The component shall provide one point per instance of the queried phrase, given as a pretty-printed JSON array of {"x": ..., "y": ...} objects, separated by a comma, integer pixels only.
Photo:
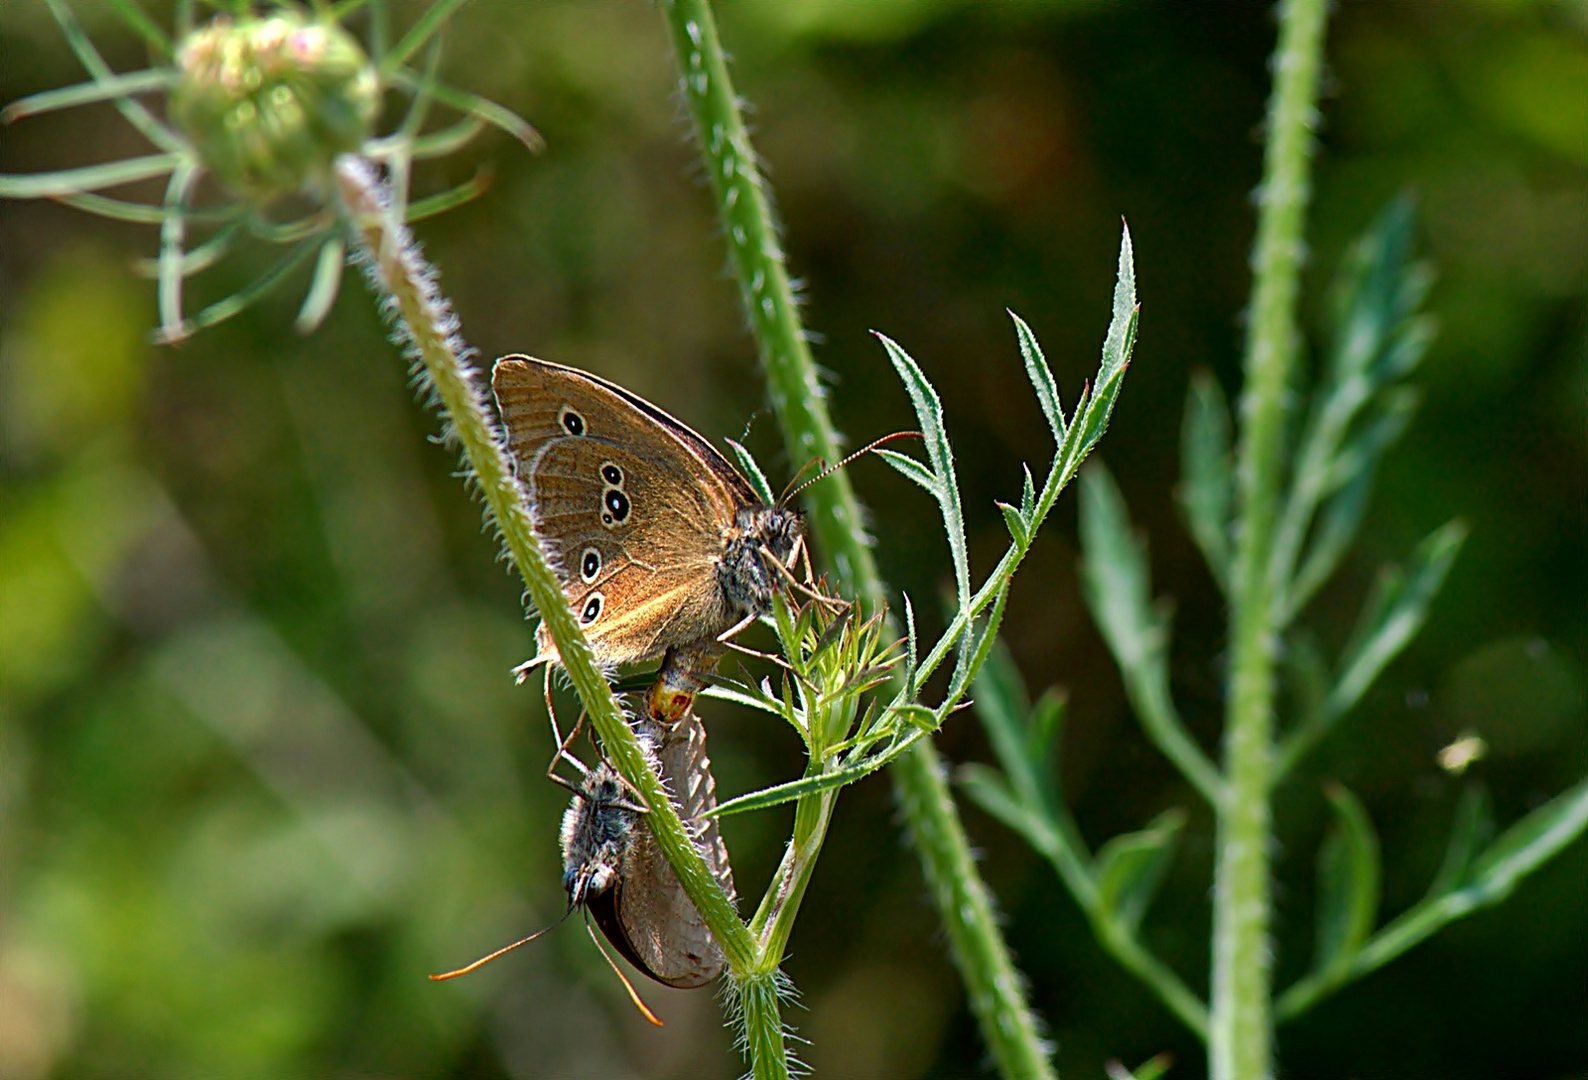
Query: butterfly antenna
[
  {"x": 829, "y": 470},
  {"x": 634, "y": 995},
  {"x": 482, "y": 961}
]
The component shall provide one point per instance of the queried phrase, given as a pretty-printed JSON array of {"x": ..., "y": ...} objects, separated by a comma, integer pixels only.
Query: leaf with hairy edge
[
  {"x": 1348, "y": 881},
  {"x": 752, "y": 472},
  {"x": 1041, "y": 377},
  {"x": 1018, "y": 529},
  {"x": 1128, "y": 868},
  {"x": 906, "y": 465},
  {"x": 1028, "y": 494},
  {"x": 929, "y": 414},
  {"x": 1207, "y": 483}
]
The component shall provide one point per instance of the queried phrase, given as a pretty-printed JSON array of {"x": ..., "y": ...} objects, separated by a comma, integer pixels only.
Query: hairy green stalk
[
  {"x": 427, "y": 328},
  {"x": 800, "y": 403},
  {"x": 1241, "y": 1028}
]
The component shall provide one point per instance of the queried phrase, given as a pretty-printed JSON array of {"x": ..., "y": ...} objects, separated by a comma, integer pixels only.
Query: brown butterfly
[
  {"x": 660, "y": 544},
  {"x": 613, "y": 867},
  {"x": 614, "y": 871}
]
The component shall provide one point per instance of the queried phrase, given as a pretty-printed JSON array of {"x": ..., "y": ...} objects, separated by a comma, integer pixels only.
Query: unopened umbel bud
[{"x": 270, "y": 102}]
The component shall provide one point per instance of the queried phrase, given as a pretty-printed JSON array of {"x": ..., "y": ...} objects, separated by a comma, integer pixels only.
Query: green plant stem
[
  {"x": 427, "y": 327},
  {"x": 834, "y": 512},
  {"x": 1241, "y": 1028}
]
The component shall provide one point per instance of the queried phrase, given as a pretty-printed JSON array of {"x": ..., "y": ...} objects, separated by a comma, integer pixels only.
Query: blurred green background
[{"x": 262, "y": 765}]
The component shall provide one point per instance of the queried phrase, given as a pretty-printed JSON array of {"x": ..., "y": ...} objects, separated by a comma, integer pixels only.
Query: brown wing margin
[{"x": 709, "y": 454}]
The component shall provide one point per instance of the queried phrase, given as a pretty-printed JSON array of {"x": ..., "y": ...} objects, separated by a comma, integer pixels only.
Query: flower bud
[{"x": 269, "y": 102}]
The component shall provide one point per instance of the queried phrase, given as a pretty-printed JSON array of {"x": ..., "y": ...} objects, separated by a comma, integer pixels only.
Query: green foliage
[{"x": 1358, "y": 410}]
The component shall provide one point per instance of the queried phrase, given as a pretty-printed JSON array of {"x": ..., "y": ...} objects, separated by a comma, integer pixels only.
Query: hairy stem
[
  {"x": 427, "y": 328},
  {"x": 1241, "y": 1029},
  {"x": 800, "y": 403}
]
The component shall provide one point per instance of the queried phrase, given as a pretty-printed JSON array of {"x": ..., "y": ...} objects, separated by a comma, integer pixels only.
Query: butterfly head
[
  {"x": 759, "y": 534},
  {"x": 596, "y": 829}
]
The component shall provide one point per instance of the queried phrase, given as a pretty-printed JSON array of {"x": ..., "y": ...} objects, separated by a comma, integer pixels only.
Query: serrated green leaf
[
  {"x": 910, "y": 658},
  {"x": 1018, "y": 529},
  {"x": 1028, "y": 494},
  {"x": 1128, "y": 868},
  {"x": 1348, "y": 882},
  {"x": 1470, "y": 830},
  {"x": 1207, "y": 482},
  {"x": 1041, "y": 377},
  {"x": 752, "y": 472}
]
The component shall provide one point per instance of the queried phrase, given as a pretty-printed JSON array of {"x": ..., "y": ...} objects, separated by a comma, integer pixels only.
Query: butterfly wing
[
  {"x": 648, "y": 916},
  {"x": 631, "y": 503}
]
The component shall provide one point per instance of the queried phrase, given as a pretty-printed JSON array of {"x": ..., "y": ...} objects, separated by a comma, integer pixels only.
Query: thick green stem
[
  {"x": 426, "y": 326},
  {"x": 834, "y": 513},
  {"x": 1241, "y": 1030}
]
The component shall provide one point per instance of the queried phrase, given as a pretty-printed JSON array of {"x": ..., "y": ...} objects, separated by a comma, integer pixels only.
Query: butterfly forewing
[{"x": 631, "y": 503}]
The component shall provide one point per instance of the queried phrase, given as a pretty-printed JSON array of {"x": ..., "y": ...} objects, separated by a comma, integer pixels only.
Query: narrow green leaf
[
  {"x": 1114, "y": 575},
  {"x": 323, "y": 289},
  {"x": 474, "y": 105},
  {"x": 1306, "y": 674},
  {"x": 64, "y": 97},
  {"x": 1528, "y": 844},
  {"x": 910, "y": 658},
  {"x": 1016, "y": 524},
  {"x": 1041, "y": 377},
  {"x": 426, "y": 27},
  {"x": 1389, "y": 415},
  {"x": 1207, "y": 482},
  {"x": 1523, "y": 848},
  {"x": 1122, "y": 327},
  {"x": 1348, "y": 882},
  {"x": 929, "y": 414},
  {"x": 442, "y": 201},
  {"x": 1028, "y": 494},
  {"x": 908, "y": 466},
  {"x": 1129, "y": 868},
  {"x": 1001, "y": 704},
  {"x": 767, "y": 703},
  {"x": 1114, "y": 583},
  {"x": 143, "y": 26},
  {"x": 752, "y": 472},
  {"x": 1043, "y": 729},
  {"x": 989, "y": 790},
  {"x": 1393, "y": 617},
  {"x": 1471, "y": 829},
  {"x": 53, "y": 185},
  {"x": 1338, "y": 522}
]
